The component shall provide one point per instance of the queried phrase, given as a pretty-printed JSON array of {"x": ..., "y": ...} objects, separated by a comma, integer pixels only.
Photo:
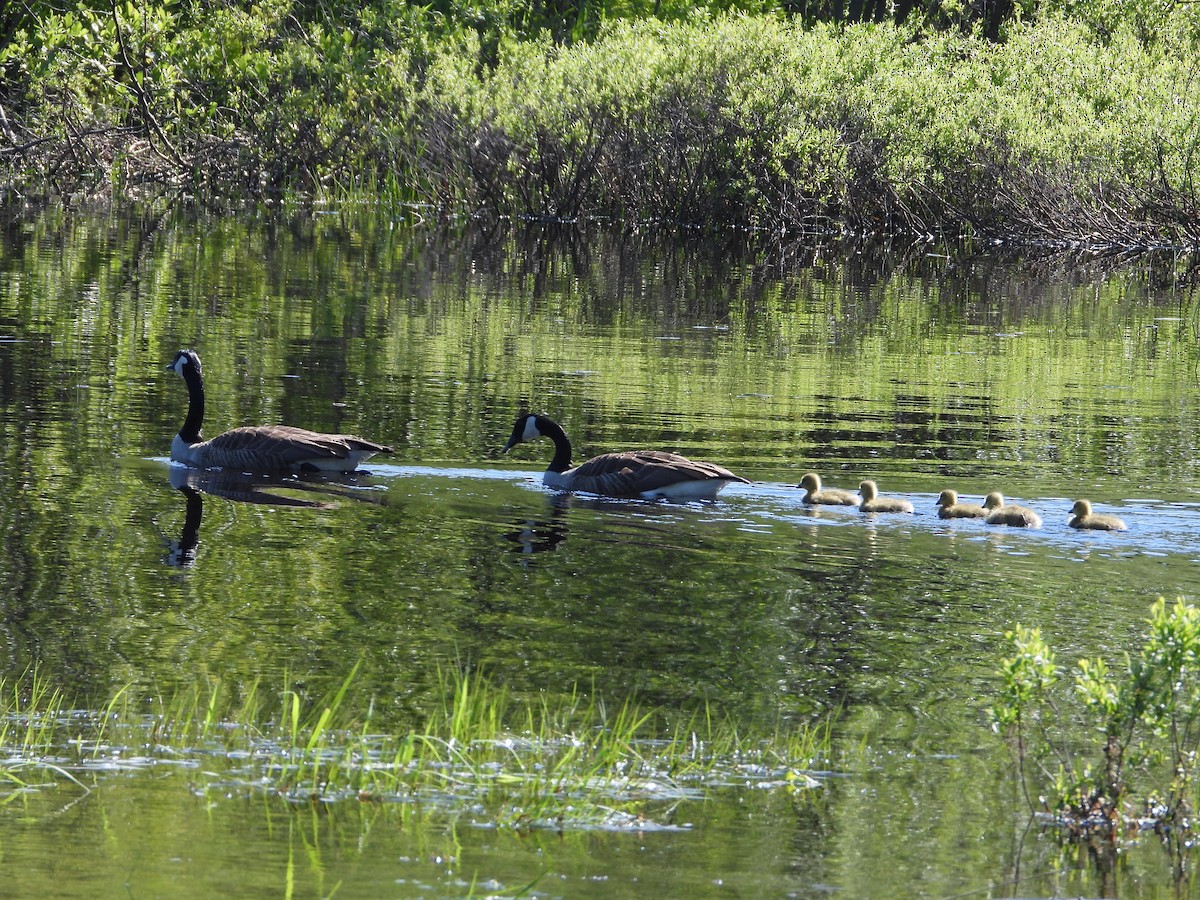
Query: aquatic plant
[
  {"x": 1146, "y": 771},
  {"x": 561, "y": 762}
]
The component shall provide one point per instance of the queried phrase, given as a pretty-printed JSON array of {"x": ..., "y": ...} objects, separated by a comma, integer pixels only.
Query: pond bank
[{"x": 1058, "y": 133}]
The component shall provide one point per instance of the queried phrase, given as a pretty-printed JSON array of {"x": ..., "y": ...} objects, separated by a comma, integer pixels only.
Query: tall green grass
[{"x": 546, "y": 761}]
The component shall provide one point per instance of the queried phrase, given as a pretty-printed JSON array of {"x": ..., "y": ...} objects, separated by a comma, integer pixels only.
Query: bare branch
[{"x": 143, "y": 100}]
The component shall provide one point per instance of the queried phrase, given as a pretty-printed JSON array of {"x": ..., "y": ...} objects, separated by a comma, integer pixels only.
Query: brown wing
[
  {"x": 357, "y": 443},
  {"x": 282, "y": 445},
  {"x": 633, "y": 473}
]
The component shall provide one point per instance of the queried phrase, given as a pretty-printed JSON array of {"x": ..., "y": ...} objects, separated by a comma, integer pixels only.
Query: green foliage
[
  {"x": 1068, "y": 129},
  {"x": 764, "y": 124},
  {"x": 1150, "y": 22},
  {"x": 1148, "y": 713},
  {"x": 544, "y": 762},
  {"x": 1027, "y": 676}
]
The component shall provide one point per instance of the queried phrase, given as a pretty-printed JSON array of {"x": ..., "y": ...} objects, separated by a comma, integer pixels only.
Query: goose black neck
[
  {"x": 190, "y": 536},
  {"x": 190, "y": 431},
  {"x": 562, "y": 444}
]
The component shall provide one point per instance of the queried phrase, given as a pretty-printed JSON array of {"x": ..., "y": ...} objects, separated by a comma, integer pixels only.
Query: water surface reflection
[
  {"x": 921, "y": 369},
  {"x": 313, "y": 491}
]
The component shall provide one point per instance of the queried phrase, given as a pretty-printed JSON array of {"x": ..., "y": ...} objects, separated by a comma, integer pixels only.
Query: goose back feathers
[
  {"x": 645, "y": 474},
  {"x": 262, "y": 448}
]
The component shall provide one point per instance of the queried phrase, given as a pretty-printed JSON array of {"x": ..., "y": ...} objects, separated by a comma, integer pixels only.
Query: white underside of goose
[{"x": 680, "y": 490}]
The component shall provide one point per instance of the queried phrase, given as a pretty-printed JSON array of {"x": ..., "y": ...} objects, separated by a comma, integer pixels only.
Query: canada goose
[
  {"x": 949, "y": 508},
  {"x": 263, "y": 448},
  {"x": 873, "y": 503},
  {"x": 1001, "y": 513},
  {"x": 814, "y": 493},
  {"x": 648, "y": 474},
  {"x": 1083, "y": 517}
]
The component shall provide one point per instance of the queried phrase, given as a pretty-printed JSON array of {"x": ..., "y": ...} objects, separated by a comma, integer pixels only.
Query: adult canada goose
[
  {"x": 873, "y": 503},
  {"x": 262, "y": 448},
  {"x": 1001, "y": 513},
  {"x": 648, "y": 474},
  {"x": 1083, "y": 517},
  {"x": 949, "y": 508},
  {"x": 814, "y": 493}
]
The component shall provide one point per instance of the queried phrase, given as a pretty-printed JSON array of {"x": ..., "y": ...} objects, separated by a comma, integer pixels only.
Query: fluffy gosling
[
  {"x": 1083, "y": 517},
  {"x": 949, "y": 508},
  {"x": 814, "y": 493},
  {"x": 1001, "y": 513},
  {"x": 873, "y": 503}
]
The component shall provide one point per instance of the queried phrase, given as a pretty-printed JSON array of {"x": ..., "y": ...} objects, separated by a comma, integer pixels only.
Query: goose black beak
[{"x": 515, "y": 438}]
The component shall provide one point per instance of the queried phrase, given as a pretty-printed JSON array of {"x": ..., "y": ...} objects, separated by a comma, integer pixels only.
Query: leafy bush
[
  {"x": 1148, "y": 713},
  {"x": 748, "y": 121},
  {"x": 762, "y": 123}
]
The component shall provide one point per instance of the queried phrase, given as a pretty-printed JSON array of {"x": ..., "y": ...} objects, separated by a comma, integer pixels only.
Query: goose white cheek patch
[{"x": 531, "y": 430}]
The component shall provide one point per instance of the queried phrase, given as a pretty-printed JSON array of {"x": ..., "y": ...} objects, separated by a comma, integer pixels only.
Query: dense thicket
[{"x": 1063, "y": 120}]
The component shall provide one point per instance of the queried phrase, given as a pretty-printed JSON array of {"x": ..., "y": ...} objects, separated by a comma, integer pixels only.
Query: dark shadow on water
[{"x": 283, "y": 491}]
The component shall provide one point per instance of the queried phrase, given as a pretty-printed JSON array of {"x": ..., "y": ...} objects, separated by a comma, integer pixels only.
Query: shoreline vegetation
[
  {"x": 1063, "y": 122},
  {"x": 1142, "y": 774},
  {"x": 562, "y": 762}
]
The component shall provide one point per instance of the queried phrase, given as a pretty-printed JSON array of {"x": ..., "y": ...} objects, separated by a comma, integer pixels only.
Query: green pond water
[{"x": 1047, "y": 376}]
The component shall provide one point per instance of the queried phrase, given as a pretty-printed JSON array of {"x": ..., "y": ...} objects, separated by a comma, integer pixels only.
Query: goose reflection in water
[
  {"x": 326, "y": 491},
  {"x": 181, "y": 554},
  {"x": 636, "y": 523},
  {"x": 534, "y": 536},
  {"x": 539, "y": 535}
]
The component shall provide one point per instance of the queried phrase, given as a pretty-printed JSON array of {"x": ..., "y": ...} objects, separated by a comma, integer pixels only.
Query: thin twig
[{"x": 143, "y": 100}]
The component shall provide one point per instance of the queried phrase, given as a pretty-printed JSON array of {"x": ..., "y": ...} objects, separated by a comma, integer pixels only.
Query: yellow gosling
[
  {"x": 873, "y": 503},
  {"x": 814, "y": 493},
  {"x": 949, "y": 508},
  {"x": 1083, "y": 517},
  {"x": 1001, "y": 513}
]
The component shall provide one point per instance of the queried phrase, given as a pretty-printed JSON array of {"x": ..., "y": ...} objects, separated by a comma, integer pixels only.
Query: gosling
[
  {"x": 1001, "y": 513},
  {"x": 1083, "y": 517},
  {"x": 949, "y": 508},
  {"x": 873, "y": 503},
  {"x": 814, "y": 493}
]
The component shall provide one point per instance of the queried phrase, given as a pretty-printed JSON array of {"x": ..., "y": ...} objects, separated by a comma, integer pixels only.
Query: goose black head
[
  {"x": 524, "y": 429},
  {"x": 182, "y": 360}
]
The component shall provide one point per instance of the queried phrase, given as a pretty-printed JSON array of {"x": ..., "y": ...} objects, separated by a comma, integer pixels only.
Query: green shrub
[
  {"x": 1147, "y": 712},
  {"x": 747, "y": 121},
  {"x": 761, "y": 123}
]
